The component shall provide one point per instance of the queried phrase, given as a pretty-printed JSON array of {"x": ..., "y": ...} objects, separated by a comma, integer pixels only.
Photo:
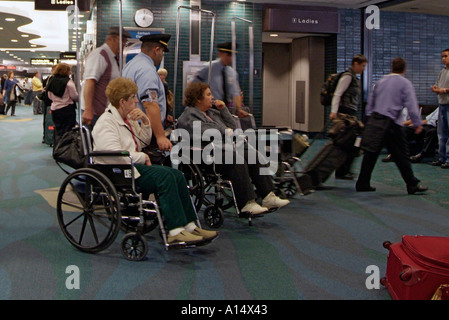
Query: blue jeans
[{"x": 443, "y": 133}]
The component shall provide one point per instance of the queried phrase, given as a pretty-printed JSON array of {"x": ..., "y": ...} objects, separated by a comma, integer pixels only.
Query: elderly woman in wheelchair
[
  {"x": 198, "y": 100},
  {"x": 123, "y": 126}
]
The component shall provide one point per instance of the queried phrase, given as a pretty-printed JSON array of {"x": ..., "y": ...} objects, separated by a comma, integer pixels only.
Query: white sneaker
[
  {"x": 273, "y": 201},
  {"x": 253, "y": 207}
]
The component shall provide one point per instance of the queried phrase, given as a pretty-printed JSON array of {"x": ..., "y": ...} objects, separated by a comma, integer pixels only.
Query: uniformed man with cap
[
  {"x": 223, "y": 78},
  {"x": 142, "y": 70},
  {"x": 101, "y": 67}
]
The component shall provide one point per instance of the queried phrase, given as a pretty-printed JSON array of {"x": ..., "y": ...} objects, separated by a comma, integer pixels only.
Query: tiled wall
[
  {"x": 418, "y": 38},
  {"x": 165, "y": 16}
]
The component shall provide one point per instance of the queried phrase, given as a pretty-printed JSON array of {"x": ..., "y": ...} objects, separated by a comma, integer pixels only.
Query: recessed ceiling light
[
  {"x": 274, "y": 35},
  {"x": 25, "y": 35},
  {"x": 10, "y": 19},
  {"x": 33, "y": 45},
  {"x": 14, "y": 40},
  {"x": 1, "y": 28}
]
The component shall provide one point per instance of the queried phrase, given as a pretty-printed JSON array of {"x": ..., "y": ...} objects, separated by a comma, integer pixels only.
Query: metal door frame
[
  {"x": 212, "y": 33},
  {"x": 251, "y": 54}
]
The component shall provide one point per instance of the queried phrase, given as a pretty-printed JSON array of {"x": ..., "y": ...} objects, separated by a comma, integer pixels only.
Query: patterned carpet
[{"x": 317, "y": 248}]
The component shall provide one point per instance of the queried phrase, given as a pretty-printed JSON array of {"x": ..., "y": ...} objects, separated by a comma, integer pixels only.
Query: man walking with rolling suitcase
[{"x": 346, "y": 101}]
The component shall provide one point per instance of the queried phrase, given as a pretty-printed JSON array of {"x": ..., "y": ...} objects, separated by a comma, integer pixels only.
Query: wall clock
[{"x": 143, "y": 18}]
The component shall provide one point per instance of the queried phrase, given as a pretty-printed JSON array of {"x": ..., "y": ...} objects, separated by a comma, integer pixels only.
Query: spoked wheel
[
  {"x": 195, "y": 183},
  {"x": 88, "y": 210},
  {"x": 134, "y": 246},
  {"x": 131, "y": 218},
  {"x": 288, "y": 188},
  {"x": 226, "y": 195},
  {"x": 213, "y": 216}
]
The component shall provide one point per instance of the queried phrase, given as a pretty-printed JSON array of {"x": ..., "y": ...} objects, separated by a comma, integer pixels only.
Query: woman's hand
[
  {"x": 220, "y": 104},
  {"x": 137, "y": 114},
  {"x": 147, "y": 160}
]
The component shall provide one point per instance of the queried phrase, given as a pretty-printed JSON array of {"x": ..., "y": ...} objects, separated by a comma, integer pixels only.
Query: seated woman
[
  {"x": 118, "y": 129},
  {"x": 198, "y": 100}
]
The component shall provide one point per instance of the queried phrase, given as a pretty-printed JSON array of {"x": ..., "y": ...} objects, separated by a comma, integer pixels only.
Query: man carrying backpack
[{"x": 345, "y": 100}]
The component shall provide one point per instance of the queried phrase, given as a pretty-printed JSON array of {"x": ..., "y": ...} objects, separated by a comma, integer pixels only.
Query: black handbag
[
  {"x": 156, "y": 156},
  {"x": 69, "y": 149}
]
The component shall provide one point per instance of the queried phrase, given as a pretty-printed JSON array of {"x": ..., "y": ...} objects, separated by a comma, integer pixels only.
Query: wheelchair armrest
[{"x": 109, "y": 154}]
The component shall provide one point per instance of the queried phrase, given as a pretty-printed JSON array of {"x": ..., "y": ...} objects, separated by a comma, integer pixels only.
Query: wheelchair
[
  {"x": 97, "y": 201},
  {"x": 289, "y": 153},
  {"x": 208, "y": 188}
]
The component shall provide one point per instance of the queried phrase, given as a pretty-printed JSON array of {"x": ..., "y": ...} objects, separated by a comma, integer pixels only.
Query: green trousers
[{"x": 170, "y": 188}]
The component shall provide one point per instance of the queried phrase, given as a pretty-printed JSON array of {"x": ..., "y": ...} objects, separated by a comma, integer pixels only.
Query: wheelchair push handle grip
[{"x": 109, "y": 154}]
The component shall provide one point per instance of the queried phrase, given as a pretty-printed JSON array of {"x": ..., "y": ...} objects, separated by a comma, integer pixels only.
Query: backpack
[{"x": 328, "y": 89}]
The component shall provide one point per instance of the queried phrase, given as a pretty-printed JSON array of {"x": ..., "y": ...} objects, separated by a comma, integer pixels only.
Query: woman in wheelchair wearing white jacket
[
  {"x": 198, "y": 100},
  {"x": 118, "y": 129}
]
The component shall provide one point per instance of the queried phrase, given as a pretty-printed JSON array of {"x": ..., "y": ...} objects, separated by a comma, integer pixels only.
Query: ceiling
[{"x": 44, "y": 34}]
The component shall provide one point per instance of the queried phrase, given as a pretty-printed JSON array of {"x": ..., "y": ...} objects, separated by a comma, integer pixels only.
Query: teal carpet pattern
[{"x": 317, "y": 248}]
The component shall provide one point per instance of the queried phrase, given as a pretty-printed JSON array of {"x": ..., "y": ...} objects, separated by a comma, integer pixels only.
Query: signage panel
[
  {"x": 43, "y": 62},
  {"x": 60, "y": 5},
  {"x": 306, "y": 21},
  {"x": 67, "y": 55}
]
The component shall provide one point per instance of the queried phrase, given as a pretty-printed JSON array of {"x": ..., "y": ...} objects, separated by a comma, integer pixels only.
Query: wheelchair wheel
[
  {"x": 213, "y": 216},
  {"x": 288, "y": 188},
  {"x": 134, "y": 246},
  {"x": 88, "y": 210},
  {"x": 195, "y": 183},
  {"x": 131, "y": 219}
]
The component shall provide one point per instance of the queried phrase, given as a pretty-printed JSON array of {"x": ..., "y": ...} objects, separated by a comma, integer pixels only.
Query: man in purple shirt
[{"x": 389, "y": 96}]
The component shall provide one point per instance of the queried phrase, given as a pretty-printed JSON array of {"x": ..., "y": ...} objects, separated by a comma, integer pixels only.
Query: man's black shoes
[
  {"x": 364, "y": 188},
  {"x": 415, "y": 189}
]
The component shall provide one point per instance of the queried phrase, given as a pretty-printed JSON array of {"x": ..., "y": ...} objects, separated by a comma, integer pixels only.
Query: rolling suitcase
[
  {"x": 319, "y": 169},
  {"x": 49, "y": 127},
  {"x": 417, "y": 267}
]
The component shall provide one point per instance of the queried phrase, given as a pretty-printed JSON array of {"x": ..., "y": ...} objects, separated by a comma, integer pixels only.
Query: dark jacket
[{"x": 221, "y": 120}]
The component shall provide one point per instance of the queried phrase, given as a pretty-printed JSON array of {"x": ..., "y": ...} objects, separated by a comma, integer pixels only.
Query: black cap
[
  {"x": 160, "y": 38},
  {"x": 115, "y": 31},
  {"x": 226, "y": 47}
]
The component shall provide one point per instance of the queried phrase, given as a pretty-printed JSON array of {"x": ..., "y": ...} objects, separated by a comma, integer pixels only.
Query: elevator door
[{"x": 276, "y": 84}]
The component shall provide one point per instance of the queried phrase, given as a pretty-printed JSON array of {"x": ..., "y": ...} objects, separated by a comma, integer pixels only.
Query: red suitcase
[{"x": 416, "y": 267}]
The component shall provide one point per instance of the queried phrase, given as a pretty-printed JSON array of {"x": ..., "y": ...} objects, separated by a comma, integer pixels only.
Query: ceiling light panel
[{"x": 38, "y": 25}]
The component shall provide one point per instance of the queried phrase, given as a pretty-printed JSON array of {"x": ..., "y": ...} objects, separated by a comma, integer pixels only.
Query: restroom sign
[{"x": 60, "y": 5}]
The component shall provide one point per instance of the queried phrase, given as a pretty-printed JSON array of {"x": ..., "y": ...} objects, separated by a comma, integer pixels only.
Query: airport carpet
[{"x": 317, "y": 248}]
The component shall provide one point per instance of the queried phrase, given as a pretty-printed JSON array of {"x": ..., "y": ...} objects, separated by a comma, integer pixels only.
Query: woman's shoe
[
  {"x": 206, "y": 234},
  {"x": 272, "y": 201},
  {"x": 254, "y": 208},
  {"x": 184, "y": 237}
]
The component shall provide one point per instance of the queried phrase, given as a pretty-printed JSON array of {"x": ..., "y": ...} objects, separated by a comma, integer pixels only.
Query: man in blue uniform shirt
[
  {"x": 223, "y": 79},
  {"x": 390, "y": 95},
  {"x": 142, "y": 70}
]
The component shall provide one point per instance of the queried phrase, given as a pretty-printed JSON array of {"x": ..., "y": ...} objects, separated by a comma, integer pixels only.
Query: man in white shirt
[
  {"x": 346, "y": 101},
  {"x": 100, "y": 68}
]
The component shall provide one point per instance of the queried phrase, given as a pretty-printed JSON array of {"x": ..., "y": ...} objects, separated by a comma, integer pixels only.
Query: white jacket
[{"x": 111, "y": 133}]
